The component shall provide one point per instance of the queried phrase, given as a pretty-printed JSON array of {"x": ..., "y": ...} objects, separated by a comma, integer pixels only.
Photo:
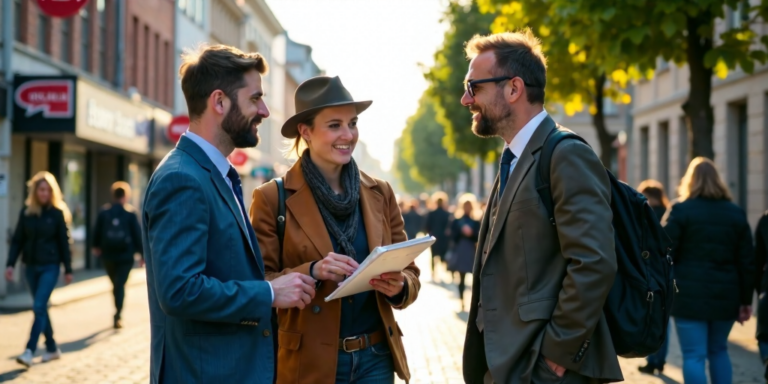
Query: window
[
  {"x": 662, "y": 65},
  {"x": 739, "y": 15},
  {"x": 158, "y": 69},
  {"x": 663, "y": 164},
  {"x": 101, "y": 6},
  {"x": 191, "y": 8},
  {"x": 136, "y": 58},
  {"x": 117, "y": 57},
  {"x": 644, "y": 153},
  {"x": 85, "y": 40},
  {"x": 737, "y": 152},
  {"x": 609, "y": 107},
  {"x": 199, "y": 12},
  {"x": 182, "y": 4},
  {"x": 167, "y": 88},
  {"x": 17, "y": 18},
  {"x": 684, "y": 156},
  {"x": 43, "y": 24},
  {"x": 145, "y": 88},
  {"x": 66, "y": 40}
]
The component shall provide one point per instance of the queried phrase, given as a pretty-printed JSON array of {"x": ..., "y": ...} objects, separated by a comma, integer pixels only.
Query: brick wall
[{"x": 149, "y": 53}]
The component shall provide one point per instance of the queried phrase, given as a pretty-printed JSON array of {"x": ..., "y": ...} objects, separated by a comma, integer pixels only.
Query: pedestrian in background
[
  {"x": 714, "y": 269},
  {"x": 414, "y": 220},
  {"x": 463, "y": 244},
  {"x": 657, "y": 199},
  {"x": 42, "y": 237},
  {"x": 437, "y": 225},
  {"x": 117, "y": 239},
  {"x": 761, "y": 258}
]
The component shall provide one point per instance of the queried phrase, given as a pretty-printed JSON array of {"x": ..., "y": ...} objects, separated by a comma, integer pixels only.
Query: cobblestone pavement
[{"x": 433, "y": 328}]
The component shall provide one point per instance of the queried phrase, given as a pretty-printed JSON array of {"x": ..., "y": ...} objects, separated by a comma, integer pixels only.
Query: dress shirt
[
  {"x": 523, "y": 137},
  {"x": 222, "y": 165}
]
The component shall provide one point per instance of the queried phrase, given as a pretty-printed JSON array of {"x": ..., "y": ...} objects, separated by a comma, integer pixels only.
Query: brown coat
[{"x": 308, "y": 338}]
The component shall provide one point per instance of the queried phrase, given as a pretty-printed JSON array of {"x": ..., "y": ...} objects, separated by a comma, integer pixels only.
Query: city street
[{"x": 433, "y": 329}]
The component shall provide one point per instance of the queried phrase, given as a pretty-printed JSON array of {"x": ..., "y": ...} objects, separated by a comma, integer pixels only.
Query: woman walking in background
[
  {"x": 42, "y": 237},
  {"x": 437, "y": 225},
  {"x": 412, "y": 217},
  {"x": 714, "y": 268},
  {"x": 657, "y": 199},
  {"x": 464, "y": 232}
]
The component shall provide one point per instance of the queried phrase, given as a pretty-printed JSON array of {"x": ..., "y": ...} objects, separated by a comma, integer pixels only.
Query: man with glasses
[{"x": 539, "y": 287}]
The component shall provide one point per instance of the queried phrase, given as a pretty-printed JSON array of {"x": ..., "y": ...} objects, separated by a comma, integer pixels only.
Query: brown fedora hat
[{"x": 315, "y": 94}]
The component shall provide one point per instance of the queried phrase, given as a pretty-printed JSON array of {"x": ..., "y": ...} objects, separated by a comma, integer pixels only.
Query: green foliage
[
  {"x": 422, "y": 145},
  {"x": 446, "y": 79},
  {"x": 402, "y": 171}
]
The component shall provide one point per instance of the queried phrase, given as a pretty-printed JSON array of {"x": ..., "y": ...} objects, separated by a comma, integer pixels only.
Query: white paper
[{"x": 389, "y": 258}]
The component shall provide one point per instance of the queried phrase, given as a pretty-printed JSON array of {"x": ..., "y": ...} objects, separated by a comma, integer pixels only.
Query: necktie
[
  {"x": 506, "y": 162},
  {"x": 238, "y": 189}
]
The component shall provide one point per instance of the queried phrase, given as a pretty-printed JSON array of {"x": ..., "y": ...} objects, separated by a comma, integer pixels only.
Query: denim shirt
[{"x": 360, "y": 312}]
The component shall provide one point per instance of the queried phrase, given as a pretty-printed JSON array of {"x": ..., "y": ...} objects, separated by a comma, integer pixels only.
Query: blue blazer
[{"x": 209, "y": 305}]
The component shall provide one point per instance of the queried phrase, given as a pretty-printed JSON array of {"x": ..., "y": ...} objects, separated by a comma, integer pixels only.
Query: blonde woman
[
  {"x": 463, "y": 241},
  {"x": 712, "y": 250},
  {"x": 42, "y": 238}
]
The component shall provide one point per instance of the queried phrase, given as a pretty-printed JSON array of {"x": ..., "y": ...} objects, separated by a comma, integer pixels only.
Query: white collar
[
  {"x": 218, "y": 159},
  {"x": 524, "y": 136}
]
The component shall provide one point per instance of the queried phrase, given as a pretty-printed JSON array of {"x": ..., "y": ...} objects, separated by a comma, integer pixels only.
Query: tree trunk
[
  {"x": 699, "y": 117},
  {"x": 598, "y": 120}
]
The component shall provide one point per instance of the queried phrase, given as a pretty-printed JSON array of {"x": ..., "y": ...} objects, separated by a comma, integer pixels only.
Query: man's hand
[
  {"x": 68, "y": 278},
  {"x": 466, "y": 230},
  {"x": 334, "y": 267},
  {"x": 559, "y": 371},
  {"x": 96, "y": 251},
  {"x": 293, "y": 290},
  {"x": 9, "y": 273},
  {"x": 745, "y": 312},
  {"x": 390, "y": 284}
]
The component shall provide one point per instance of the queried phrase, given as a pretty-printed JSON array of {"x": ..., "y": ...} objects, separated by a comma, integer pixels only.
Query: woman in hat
[{"x": 335, "y": 216}]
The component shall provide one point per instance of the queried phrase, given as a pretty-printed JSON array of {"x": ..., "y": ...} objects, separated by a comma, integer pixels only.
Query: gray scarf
[{"x": 336, "y": 208}]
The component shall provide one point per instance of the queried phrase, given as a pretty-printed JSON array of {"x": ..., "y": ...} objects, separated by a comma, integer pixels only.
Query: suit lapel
[
  {"x": 304, "y": 210},
  {"x": 197, "y": 153},
  {"x": 524, "y": 164},
  {"x": 373, "y": 215}
]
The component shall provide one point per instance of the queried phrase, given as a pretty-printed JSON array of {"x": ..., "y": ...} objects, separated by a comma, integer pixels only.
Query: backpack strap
[
  {"x": 280, "y": 216},
  {"x": 543, "y": 179}
]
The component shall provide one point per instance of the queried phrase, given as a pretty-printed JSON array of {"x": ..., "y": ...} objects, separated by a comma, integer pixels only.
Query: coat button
[
  {"x": 266, "y": 333},
  {"x": 316, "y": 309}
]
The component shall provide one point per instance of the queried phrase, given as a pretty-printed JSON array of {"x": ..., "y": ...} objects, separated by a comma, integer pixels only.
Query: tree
[
  {"x": 422, "y": 143},
  {"x": 625, "y": 38},
  {"x": 402, "y": 171},
  {"x": 446, "y": 79}
]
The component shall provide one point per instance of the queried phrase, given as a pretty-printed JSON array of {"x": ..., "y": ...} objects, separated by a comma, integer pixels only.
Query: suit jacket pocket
[
  {"x": 289, "y": 340},
  {"x": 194, "y": 327},
  {"x": 537, "y": 310},
  {"x": 288, "y": 357},
  {"x": 525, "y": 203}
]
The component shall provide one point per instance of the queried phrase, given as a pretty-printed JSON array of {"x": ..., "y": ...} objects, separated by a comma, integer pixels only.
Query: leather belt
[{"x": 356, "y": 343}]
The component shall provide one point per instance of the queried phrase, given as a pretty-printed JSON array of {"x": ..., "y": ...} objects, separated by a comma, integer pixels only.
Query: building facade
[{"x": 87, "y": 91}]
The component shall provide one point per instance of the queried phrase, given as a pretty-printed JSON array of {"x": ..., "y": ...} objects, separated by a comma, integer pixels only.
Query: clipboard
[{"x": 388, "y": 258}]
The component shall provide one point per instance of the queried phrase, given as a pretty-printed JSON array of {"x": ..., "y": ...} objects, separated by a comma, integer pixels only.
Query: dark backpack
[
  {"x": 115, "y": 232},
  {"x": 638, "y": 306}
]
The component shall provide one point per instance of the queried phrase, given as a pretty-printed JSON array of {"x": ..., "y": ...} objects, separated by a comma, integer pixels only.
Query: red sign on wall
[
  {"x": 176, "y": 128},
  {"x": 54, "y": 97},
  {"x": 238, "y": 158},
  {"x": 61, "y": 8}
]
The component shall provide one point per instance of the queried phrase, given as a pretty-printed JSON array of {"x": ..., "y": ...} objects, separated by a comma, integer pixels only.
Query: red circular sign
[
  {"x": 238, "y": 158},
  {"x": 61, "y": 8},
  {"x": 176, "y": 128}
]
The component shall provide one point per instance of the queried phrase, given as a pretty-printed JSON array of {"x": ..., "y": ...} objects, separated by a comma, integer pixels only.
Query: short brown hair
[
  {"x": 207, "y": 69},
  {"x": 120, "y": 189},
  {"x": 517, "y": 54},
  {"x": 703, "y": 180},
  {"x": 655, "y": 190}
]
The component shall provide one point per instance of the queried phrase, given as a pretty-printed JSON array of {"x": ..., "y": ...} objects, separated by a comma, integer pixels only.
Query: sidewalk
[{"x": 78, "y": 290}]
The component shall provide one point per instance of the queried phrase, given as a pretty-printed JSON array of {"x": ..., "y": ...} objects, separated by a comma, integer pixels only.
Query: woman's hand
[
  {"x": 390, "y": 284},
  {"x": 9, "y": 273},
  {"x": 68, "y": 278},
  {"x": 745, "y": 312},
  {"x": 334, "y": 267}
]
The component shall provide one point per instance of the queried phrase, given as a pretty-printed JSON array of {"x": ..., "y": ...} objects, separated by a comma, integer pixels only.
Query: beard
[
  {"x": 240, "y": 129},
  {"x": 491, "y": 120}
]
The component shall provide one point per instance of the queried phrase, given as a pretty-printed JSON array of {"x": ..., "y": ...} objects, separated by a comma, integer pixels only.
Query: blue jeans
[
  {"x": 41, "y": 279},
  {"x": 372, "y": 365},
  {"x": 763, "y": 347},
  {"x": 659, "y": 358},
  {"x": 701, "y": 341}
]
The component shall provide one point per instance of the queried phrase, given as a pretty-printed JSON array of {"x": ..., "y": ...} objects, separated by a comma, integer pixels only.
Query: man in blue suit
[{"x": 209, "y": 304}]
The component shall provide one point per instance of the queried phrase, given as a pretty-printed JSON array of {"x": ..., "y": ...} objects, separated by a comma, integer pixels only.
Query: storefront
[{"x": 87, "y": 136}]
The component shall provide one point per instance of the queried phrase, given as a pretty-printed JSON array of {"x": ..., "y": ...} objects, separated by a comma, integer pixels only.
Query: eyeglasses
[{"x": 469, "y": 86}]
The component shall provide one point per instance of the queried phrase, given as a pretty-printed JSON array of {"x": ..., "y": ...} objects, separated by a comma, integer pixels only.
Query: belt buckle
[{"x": 344, "y": 344}]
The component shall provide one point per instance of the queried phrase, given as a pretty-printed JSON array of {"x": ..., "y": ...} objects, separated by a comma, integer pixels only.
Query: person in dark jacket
[
  {"x": 761, "y": 256},
  {"x": 463, "y": 243},
  {"x": 42, "y": 237},
  {"x": 657, "y": 199},
  {"x": 714, "y": 269},
  {"x": 414, "y": 221},
  {"x": 116, "y": 239},
  {"x": 437, "y": 225}
]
